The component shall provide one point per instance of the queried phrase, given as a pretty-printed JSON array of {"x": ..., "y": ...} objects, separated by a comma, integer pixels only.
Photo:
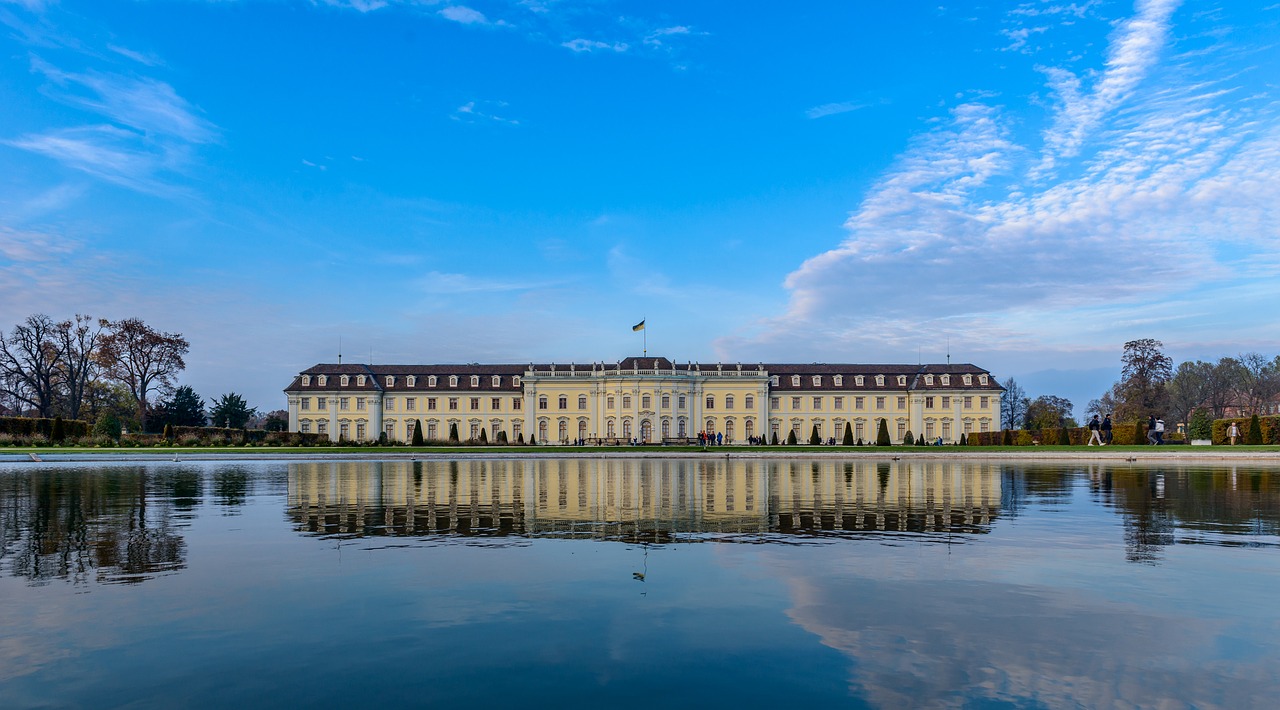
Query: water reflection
[{"x": 649, "y": 500}]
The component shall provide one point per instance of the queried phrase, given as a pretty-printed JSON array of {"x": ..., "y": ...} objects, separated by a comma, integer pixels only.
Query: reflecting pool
[{"x": 635, "y": 582}]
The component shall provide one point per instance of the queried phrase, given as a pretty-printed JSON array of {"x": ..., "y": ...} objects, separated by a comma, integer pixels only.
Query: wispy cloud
[
  {"x": 467, "y": 16},
  {"x": 144, "y": 58},
  {"x": 472, "y": 111},
  {"x": 834, "y": 108},
  {"x": 591, "y": 45},
  {"x": 443, "y": 283}
]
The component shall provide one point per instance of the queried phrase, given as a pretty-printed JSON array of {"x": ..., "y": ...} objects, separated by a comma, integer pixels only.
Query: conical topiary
[
  {"x": 791, "y": 438},
  {"x": 417, "y": 433},
  {"x": 520, "y": 438},
  {"x": 859, "y": 443},
  {"x": 964, "y": 441},
  {"x": 814, "y": 439},
  {"x": 59, "y": 431},
  {"x": 502, "y": 437},
  {"x": 1254, "y": 436},
  {"x": 908, "y": 440},
  {"x": 484, "y": 436},
  {"x": 775, "y": 438},
  {"x": 882, "y": 434},
  {"x": 453, "y": 432},
  {"x": 848, "y": 434},
  {"x": 1007, "y": 439}
]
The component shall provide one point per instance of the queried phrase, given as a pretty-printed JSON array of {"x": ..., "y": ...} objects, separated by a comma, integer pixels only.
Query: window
[
  {"x": 563, "y": 430},
  {"x": 431, "y": 380},
  {"x": 516, "y": 430},
  {"x": 497, "y": 380},
  {"x": 411, "y": 381},
  {"x": 681, "y": 401},
  {"x": 902, "y": 380},
  {"x": 391, "y": 431},
  {"x": 666, "y": 401},
  {"x": 515, "y": 380},
  {"x": 453, "y": 404},
  {"x": 795, "y": 380},
  {"x": 968, "y": 402},
  {"x": 839, "y": 403},
  {"x": 516, "y": 403},
  {"x": 928, "y": 380},
  {"x": 857, "y": 380},
  {"x": 475, "y": 403},
  {"x": 902, "y": 403},
  {"x": 984, "y": 402},
  {"x": 928, "y": 402},
  {"x": 609, "y": 402},
  {"x": 773, "y": 428},
  {"x": 322, "y": 403},
  {"x": 645, "y": 402},
  {"x": 453, "y": 380},
  {"x": 946, "y": 380},
  {"x": 879, "y": 380},
  {"x": 360, "y": 431},
  {"x": 322, "y": 427},
  {"x": 475, "y": 429},
  {"x": 344, "y": 380},
  {"x": 982, "y": 379},
  {"x": 582, "y": 401},
  {"x": 360, "y": 404},
  {"x": 817, "y": 380},
  {"x": 817, "y": 403},
  {"x": 432, "y": 431},
  {"x": 773, "y": 380},
  {"x": 928, "y": 430},
  {"x": 542, "y": 402},
  {"x": 321, "y": 380},
  {"x": 795, "y": 402},
  {"x": 626, "y": 401},
  {"x": 360, "y": 380},
  {"x": 495, "y": 404},
  {"x": 609, "y": 430},
  {"x": 946, "y": 402},
  {"x": 391, "y": 380},
  {"x": 563, "y": 402},
  {"x": 711, "y": 401},
  {"x": 775, "y": 402},
  {"x": 344, "y": 430},
  {"x": 838, "y": 379},
  {"x": 306, "y": 403},
  {"x": 306, "y": 380},
  {"x": 968, "y": 380},
  {"x": 985, "y": 425},
  {"x": 857, "y": 429},
  {"x": 411, "y": 404},
  {"x": 859, "y": 402},
  {"x": 879, "y": 402},
  {"x": 306, "y": 427},
  {"x": 431, "y": 403},
  {"x": 728, "y": 402},
  {"x": 749, "y": 402},
  {"x": 475, "y": 382},
  {"x": 344, "y": 404}
]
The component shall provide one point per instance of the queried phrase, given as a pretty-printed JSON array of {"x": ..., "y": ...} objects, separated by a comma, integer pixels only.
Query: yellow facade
[{"x": 643, "y": 400}]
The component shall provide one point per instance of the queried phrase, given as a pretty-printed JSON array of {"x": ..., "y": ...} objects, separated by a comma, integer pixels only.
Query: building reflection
[
  {"x": 642, "y": 499},
  {"x": 112, "y": 525}
]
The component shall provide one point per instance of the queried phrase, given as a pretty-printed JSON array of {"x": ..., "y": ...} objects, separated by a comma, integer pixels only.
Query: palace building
[{"x": 646, "y": 399}]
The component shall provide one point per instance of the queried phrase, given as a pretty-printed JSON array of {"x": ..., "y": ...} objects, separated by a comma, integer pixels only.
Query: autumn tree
[
  {"x": 1188, "y": 389},
  {"x": 1048, "y": 412},
  {"x": 142, "y": 359},
  {"x": 1145, "y": 371}
]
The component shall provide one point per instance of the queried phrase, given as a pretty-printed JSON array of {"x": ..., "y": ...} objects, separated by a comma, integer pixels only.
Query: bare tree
[
  {"x": 78, "y": 341},
  {"x": 1141, "y": 391},
  {"x": 142, "y": 359},
  {"x": 1259, "y": 380},
  {"x": 1013, "y": 406},
  {"x": 1221, "y": 390},
  {"x": 30, "y": 363},
  {"x": 1188, "y": 389}
]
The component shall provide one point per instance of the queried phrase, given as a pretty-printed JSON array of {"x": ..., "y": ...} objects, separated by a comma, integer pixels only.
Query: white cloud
[
  {"x": 464, "y": 15},
  {"x": 834, "y": 108},
  {"x": 470, "y": 111},
  {"x": 442, "y": 283},
  {"x": 146, "y": 58},
  {"x": 590, "y": 45}
]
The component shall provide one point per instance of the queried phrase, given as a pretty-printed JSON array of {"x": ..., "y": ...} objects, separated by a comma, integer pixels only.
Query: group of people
[
  {"x": 706, "y": 438},
  {"x": 1100, "y": 431}
]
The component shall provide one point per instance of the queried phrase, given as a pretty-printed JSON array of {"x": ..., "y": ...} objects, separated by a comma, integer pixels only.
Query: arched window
[
  {"x": 564, "y": 430},
  {"x": 666, "y": 428},
  {"x": 795, "y": 380},
  {"x": 608, "y": 402},
  {"x": 497, "y": 380},
  {"x": 542, "y": 431},
  {"x": 344, "y": 380},
  {"x": 306, "y": 380},
  {"x": 728, "y": 430},
  {"x": 582, "y": 428},
  {"x": 750, "y": 428},
  {"x": 711, "y": 401},
  {"x": 582, "y": 401},
  {"x": 360, "y": 380},
  {"x": 684, "y": 430},
  {"x": 609, "y": 429},
  {"x": 453, "y": 380},
  {"x": 475, "y": 380},
  {"x": 728, "y": 401},
  {"x": 626, "y": 401},
  {"x": 710, "y": 427},
  {"x": 391, "y": 380},
  {"x": 626, "y": 428}
]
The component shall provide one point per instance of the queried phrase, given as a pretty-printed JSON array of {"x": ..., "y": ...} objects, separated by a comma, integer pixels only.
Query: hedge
[
  {"x": 28, "y": 426},
  {"x": 1270, "y": 429}
]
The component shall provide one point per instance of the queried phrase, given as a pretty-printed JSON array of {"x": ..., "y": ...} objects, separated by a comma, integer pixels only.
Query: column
[
  {"x": 333, "y": 417},
  {"x": 293, "y": 413},
  {"x": 375, "y": 416}
]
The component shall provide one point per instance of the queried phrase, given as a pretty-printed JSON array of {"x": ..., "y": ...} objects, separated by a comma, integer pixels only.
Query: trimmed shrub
[
  {"x": 1201, "y": 425},
  {"x": 484, "y": 436},
  {"x": 502, "y": 437},
  {"x": 848, "y": 434},
  {"x": 453, "y": 432},
  {"x": 417, "y": 433},
  {"x": 1254, "y": 436},
  {"x": 791, "y": 438},
  {"x": 964, "y": 440},
  {"x": 775, "y": 438},
  {"x": 1064, "y": 437},
  {"x": 908, "y": 439},
  {"x": 533, "y": 441},
  {"x": 882, "y": 434},
  {"x": 814, "y": 439},
  {"x": 520, "y": 438}
]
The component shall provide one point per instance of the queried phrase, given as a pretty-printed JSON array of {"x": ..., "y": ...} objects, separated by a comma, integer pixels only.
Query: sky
[{"x": 1024, "y": 186}]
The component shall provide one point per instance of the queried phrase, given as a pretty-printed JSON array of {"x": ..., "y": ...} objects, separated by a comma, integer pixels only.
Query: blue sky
[{"x": 511, "y": 180}]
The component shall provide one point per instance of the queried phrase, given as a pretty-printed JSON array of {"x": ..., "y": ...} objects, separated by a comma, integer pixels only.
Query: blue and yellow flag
[{"x": 638, "y": 326}]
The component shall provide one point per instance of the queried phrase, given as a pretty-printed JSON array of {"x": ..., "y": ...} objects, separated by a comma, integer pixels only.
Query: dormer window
[
  {"x": 946, "y": 380},
  {"x": 410, "y": 381},
  {"x": 515, "y": 380},
  {"x": 982, "y": 379},
  {"x": 879, "y": 380},
  {"x": 453, "y": 380},
  {"x": 360, "y": 380},
  {"x": 344, "y": 380},
  {"x": 817, "y": 380},
  {"x": 773, "y": 380},
  {"x": 321, "y": 380},
  {"x": 968, "y": 379},
  {"x": 902, "y": 380},
  {"x": 431, "y": 380},
  {"x": 795, "y": 380},
  {"x": 475, "y": 380},
  {"x": 928, "y": 380},
  {"x": 838, "y": 379},
  {"x": 391, "y": 380},
  {"x": 857, "y": 380},
  {"x": 497, "y": 380},
  {"x": 306, "y": 380}
]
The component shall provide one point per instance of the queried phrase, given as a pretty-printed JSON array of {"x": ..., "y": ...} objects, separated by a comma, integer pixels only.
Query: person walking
[
  {"x": 1095, "y": 431},
  {"x": 1151, "y": 430},
  {"x": 1234, "y": 433},
  {"x": 1159, "y": 432},
  {"x": 1106, "y": 430}
]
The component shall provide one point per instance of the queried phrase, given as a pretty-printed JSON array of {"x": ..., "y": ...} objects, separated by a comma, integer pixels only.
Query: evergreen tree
[
  {"x": 791, "y": 438},
  {"x": 183, "y": 408},
  {"x": 1201, "y": 426},
  {"x": 59, "y": 431},
  {"x": 520, "y": 438},
  {"x": 859, "y": 442},
  {"x": 231, "y": 411},
  {"x": 502, "y": 437},
  {"x": 882, "y": 434},
  {"x": 453, "y": 432},
  {"x": 382, "y": 438},
  {"x": 533, "y": 441},
  {"x": 814, "y": 439},
  {"x": 908, "y": 439},
  {"x": 1064, "y": 437},
  {"x": 168, "y": 432},
  {"x": 848, "y": 434},
  {"x": 1255, "y": 431},
  {"x": 964, "y": 440},
  {"x": 775, "y": 438},
  {"x": 417, "y": 433},
  {"x": 484, "y": 436},
  {"x": 108, "y": 425}
]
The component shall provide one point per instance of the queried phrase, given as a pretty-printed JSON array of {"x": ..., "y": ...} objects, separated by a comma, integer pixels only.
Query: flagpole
[{"x": 644, "y": 333}]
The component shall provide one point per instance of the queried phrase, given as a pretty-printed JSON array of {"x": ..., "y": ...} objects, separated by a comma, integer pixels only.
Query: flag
[{"x": 638, "y": 326}]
